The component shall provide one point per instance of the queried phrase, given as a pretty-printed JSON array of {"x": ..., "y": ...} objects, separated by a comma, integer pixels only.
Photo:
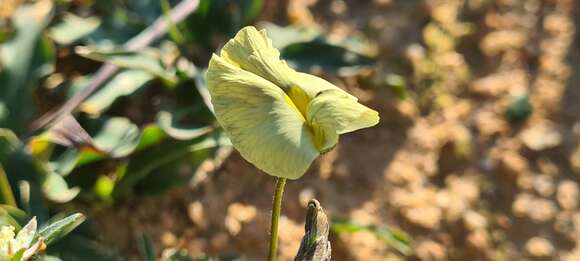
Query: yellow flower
[{"x": 279, "y": 119}]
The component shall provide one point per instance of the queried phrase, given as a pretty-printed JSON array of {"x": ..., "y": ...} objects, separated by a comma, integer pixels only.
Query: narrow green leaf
[{"x": 58, "y": 229}]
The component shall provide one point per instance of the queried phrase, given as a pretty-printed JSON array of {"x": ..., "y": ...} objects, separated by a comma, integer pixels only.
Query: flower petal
[
  {"x": 252, "y": 51},
  {"x": 334, "y": 112},
  {"x": 26, "y": 234},
  {"x": 260, "y": 120}
]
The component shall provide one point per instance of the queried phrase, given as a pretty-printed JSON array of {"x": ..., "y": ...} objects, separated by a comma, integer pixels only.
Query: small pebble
[
  {"x": 539, "y": 247},
  {"x": 567, "y": 195}
]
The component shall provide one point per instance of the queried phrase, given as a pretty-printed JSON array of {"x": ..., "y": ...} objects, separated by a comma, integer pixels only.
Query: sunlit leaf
[
  {"x": 73, "y": 28},
  {"x": 123, "y": 84},
  {"x": 148, "y": 60},
  {"x": 118, "y": 137},
  {"x": 152, "y": 134},
  {"x": 56, "y": 189},
  {"x": 60, "y": 228},
  {"x": 168, "y": 124}
]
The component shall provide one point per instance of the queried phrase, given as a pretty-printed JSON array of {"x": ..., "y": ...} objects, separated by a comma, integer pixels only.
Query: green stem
[{"x": 280, "y": 182}]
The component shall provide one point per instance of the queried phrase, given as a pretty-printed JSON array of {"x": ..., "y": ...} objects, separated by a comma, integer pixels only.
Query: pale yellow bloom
[{"x": 278, "y": 119}]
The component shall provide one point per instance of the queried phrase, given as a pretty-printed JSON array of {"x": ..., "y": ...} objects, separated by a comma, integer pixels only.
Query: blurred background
[{"x": 477, "y": 155}]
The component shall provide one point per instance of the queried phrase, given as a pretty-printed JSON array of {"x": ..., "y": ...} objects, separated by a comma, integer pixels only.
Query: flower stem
[{"x": 280, "y": 182}]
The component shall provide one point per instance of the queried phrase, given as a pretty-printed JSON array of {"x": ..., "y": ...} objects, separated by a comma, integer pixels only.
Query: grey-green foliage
[{"x": 26, "y": 57}]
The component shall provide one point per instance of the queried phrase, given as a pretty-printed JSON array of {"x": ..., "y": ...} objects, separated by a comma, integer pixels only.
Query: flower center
[{"x": 298, "y": 99}]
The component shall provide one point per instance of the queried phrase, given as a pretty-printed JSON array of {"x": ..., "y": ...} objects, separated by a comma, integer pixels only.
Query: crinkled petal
[{"x": 252, "y": 51}]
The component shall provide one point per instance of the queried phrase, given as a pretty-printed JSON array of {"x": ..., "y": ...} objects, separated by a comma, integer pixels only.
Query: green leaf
[
  {"x": 9, "y": 143},
  {"x": 46, "y": 258},
  {"x": 145, "y": 162},
  {"x": 73, "y": 28},
  {"x": 23, "y": 59},
  {"x": 13, "y": 216},
  {"x": 123, "y": 84},
  {"x": 23, "y": 169},
  {"x": 152, "y": 134},
  {"x": 65, "y": 162},
  {"x": 78, "y": 247},
  {"x": 251, "y": 9},
  {"x": 283, "y": 36},
  {"x": 56, "y": 189},
  {"x": 118, "y": 137},
  {"x": 18, "y": 255},
  {"x": 398, "y": 239},
  {"x": 148, "y": 60},
  {"x": 317, "y": 54},
  {"x": 58, "y": 229},
  {"x": 167, "y": 122}
]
